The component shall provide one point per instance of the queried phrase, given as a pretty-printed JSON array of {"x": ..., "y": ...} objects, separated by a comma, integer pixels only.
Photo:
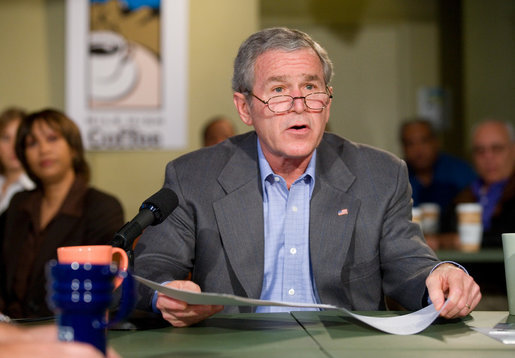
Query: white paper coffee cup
[
  {"x": 470, "y": 227},
  {"x": 430, "y": 218},
  {"x": 416, "y": 215}
]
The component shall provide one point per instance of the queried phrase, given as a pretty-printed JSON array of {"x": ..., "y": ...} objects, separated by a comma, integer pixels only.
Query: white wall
[
  {"x": 382, "y": 50},
  {"x": 489, "y": 50}
]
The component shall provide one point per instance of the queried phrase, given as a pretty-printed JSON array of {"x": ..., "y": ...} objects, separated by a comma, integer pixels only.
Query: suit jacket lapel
[
  {"x": 333, "y": 214},
  {"x": 240, "y": 216}
]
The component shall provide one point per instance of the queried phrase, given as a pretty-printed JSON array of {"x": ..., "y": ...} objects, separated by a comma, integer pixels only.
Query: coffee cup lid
[{"x": 469, "y": 207}]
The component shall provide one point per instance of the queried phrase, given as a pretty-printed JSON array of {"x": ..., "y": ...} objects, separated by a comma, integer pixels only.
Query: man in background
[
  {"x": 217, "y": 130},
  {"x": 493, "y": 151},
  {"x": 435, "y": 177}
]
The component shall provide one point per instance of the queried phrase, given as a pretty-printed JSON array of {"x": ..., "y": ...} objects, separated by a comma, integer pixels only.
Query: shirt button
[
  {"x": 277, "y": 179},
  {"x": 293, "y": 251},
  {"x": 294, "y": 209},
  {"x": 291, "y": 291}
]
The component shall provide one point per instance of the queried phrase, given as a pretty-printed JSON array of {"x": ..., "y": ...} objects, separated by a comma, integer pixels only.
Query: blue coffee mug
[{"x": 80, "y": 295}]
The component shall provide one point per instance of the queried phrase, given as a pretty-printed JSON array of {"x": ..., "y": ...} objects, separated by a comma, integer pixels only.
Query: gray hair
[
  {"x": 508, "y": 125},
  {"x": 277, "y": 38}
]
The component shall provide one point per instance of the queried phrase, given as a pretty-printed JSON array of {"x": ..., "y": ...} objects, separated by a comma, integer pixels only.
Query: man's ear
[{"x": 242, "y": 107}]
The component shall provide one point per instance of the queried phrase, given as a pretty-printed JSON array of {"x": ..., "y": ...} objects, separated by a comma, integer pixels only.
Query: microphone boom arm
[
  {"x": 153, "y": 211},
  {"x": 126, "y": 236}
]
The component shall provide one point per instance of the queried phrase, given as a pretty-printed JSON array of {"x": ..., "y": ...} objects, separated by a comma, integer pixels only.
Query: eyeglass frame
[{"x": 292, "y": 101}]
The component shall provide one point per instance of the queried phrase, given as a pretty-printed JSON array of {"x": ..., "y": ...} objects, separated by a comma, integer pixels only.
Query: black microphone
[{"x": 153, "y": 211}]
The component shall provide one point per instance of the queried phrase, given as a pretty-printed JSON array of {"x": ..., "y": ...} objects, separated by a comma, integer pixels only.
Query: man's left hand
[{"x": 450, "y": 282}]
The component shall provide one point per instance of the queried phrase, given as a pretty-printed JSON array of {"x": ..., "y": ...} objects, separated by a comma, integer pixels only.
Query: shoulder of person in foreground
[
  {"x": 218, "y": 153},
  {"x": 41, "y": 341},
  {"x": 233, "y": 158},
  {"x": 359, "y": 157}
]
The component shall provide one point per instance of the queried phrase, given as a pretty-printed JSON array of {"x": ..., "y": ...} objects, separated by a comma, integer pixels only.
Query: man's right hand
[{"x": 180, "y": 313}]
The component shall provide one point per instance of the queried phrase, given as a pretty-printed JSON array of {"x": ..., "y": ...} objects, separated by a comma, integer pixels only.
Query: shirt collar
[
  {"x": 266, "y": 170},
  {"x": 25, "y": 181},
  {"x": 496, "y": 187}
]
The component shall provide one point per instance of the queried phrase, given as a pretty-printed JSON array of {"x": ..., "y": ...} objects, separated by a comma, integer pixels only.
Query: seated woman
[
  {"x": 12, "y": 176},
  {"x": 61, "y": 211}
]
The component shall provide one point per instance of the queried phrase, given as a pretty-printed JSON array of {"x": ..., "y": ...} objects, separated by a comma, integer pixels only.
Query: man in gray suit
[{"x": 288, "y": 212}]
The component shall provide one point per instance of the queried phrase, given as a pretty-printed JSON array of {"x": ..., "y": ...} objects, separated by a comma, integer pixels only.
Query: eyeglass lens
[{"x": 315, "y": 101}]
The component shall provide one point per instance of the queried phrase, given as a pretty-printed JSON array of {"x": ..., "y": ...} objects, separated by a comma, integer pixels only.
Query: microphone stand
[
  {"x": 122, "y": 239},
  {"x": 130, "y": 256}
]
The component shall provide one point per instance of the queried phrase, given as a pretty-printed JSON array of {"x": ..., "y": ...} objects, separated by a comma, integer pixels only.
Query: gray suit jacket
[{"x": 216, "y": 232}]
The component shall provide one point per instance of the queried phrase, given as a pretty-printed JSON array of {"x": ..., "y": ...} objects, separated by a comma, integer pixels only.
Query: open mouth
[{"x": 298, "y": 127}]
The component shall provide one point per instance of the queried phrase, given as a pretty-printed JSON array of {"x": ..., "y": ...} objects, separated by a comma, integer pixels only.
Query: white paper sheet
[
  {"x": 410, "y": 323},
  {"x": 506, "y": 336}
]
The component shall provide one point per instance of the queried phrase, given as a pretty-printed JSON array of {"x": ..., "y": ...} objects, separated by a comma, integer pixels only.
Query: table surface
[
  {"x": 481, "y": 256},
  {"x": 313, "y": 334}
]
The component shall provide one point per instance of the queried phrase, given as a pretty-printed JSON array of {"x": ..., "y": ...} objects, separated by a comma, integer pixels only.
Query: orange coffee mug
[{"x": 94, "y": 255}]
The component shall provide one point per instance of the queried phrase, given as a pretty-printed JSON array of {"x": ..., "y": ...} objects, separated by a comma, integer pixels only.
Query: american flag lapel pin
[{"x": 343, "y": 212}]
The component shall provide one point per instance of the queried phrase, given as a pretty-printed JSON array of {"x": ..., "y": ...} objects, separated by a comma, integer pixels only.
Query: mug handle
[
  {"x": 122, "y": 266},
  {"x": 127, "y": 299}
]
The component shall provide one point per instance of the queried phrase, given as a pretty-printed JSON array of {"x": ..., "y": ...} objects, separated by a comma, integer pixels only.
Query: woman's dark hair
[{"x": 59, "y": 122}]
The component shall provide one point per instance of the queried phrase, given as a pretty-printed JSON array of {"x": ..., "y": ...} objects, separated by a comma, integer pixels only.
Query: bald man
[
  {"x": 493, "y": 152},
  {"x": 217, "y": 130}
]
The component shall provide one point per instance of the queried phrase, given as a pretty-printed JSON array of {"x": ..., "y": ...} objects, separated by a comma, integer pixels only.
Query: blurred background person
[
  {"x": 216, "y": 130},
  {"x": 61, "y": 211},
  {"x": 12, "y": 176},
  {"x": 435, "y": 177},
  {"x": 493, "y": 151}
]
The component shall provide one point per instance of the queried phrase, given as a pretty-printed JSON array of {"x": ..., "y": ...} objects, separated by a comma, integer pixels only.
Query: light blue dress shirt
[{"x": 287, "y": 269}]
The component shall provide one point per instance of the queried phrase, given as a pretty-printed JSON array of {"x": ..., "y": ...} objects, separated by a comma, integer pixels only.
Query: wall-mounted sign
[{"x": 126, "y": 76}]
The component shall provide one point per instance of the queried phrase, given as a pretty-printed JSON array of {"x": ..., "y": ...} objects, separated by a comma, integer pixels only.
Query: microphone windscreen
[{"x": 165, "y": 201}]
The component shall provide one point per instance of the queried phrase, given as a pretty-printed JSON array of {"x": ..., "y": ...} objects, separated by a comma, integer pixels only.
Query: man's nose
[{"x": 299, "y": 104}]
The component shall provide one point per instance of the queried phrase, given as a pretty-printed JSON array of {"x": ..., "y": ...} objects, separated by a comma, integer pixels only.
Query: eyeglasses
[
  {"x": 283, "y": 103},
  {"x": 496, "y": 149}
]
